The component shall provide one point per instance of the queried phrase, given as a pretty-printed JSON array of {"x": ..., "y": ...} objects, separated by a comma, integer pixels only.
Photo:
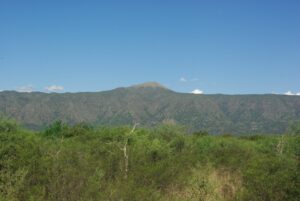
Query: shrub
[
  {"x": 56, "y": 129},
  {"x": 8, "y": 126},
  {"x": 271, "y": 178}
]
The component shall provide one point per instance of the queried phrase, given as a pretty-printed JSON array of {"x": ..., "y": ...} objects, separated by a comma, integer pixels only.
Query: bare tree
[{"x": 125, "y": 150}]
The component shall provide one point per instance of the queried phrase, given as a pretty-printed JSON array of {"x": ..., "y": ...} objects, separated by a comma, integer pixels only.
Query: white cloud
[
  {"x": 197, "y": 91},
  {"x": 182, "y": 79},
  {"x": 27, "y": 88},
  {"x": 289, "y": 93},
  {"x": 194, "y": 79},
  {"x": 54, "y": 88}
]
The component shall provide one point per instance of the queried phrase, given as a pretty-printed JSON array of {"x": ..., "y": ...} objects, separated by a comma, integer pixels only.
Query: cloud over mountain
[
  {"x": 197, "y": 91},
  {"x": 54, "y": 88},
  {"x": 289, "y": 93}
]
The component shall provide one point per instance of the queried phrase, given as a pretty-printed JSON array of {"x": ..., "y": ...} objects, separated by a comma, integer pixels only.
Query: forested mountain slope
[{"x": 150, "y": 104}]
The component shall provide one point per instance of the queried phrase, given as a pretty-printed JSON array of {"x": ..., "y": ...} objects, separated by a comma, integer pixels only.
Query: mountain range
[{"x": 151, "y": 104}]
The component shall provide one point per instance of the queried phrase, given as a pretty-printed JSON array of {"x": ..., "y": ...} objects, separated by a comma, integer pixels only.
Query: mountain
[{"x": 151, "y": 104}]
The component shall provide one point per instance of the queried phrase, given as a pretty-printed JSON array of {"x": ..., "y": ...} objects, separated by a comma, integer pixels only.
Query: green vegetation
[
  {"x": 164, "y": 163},
  {"x": 151, "y": 104}
]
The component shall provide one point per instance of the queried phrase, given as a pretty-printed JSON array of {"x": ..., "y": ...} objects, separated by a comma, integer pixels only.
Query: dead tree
[
  {"x": 281, "y": 145},
  {"x": 125, "y": 151}
]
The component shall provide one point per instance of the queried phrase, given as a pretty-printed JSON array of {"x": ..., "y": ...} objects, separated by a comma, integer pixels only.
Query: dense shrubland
[{"x": 164, "y": 163}]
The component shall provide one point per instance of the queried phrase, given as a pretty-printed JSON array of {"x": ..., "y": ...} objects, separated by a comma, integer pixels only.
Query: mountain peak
[{"x": 149, "y": 85}]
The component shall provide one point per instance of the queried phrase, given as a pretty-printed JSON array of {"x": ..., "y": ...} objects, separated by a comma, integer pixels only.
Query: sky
[{"x": 225, "y": 46}]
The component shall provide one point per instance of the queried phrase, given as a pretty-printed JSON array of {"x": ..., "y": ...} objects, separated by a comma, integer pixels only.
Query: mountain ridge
[{"x": 151, "y": 105}]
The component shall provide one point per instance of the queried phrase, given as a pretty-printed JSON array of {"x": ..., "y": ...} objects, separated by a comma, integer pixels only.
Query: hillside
[{"x": 150, "y": 104}]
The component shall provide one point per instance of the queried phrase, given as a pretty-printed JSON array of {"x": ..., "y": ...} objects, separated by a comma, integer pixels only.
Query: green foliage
[
  {"x": 8, "y": 126},
  {"x": 200, "y": 133},
  {"x": 58, "y": 128},
  {"x": 164, "y": 163},
  {"x": 271, "y": 178}
]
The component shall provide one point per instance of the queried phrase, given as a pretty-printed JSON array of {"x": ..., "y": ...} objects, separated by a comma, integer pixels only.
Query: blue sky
[{"x": 225, "y": 46}]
